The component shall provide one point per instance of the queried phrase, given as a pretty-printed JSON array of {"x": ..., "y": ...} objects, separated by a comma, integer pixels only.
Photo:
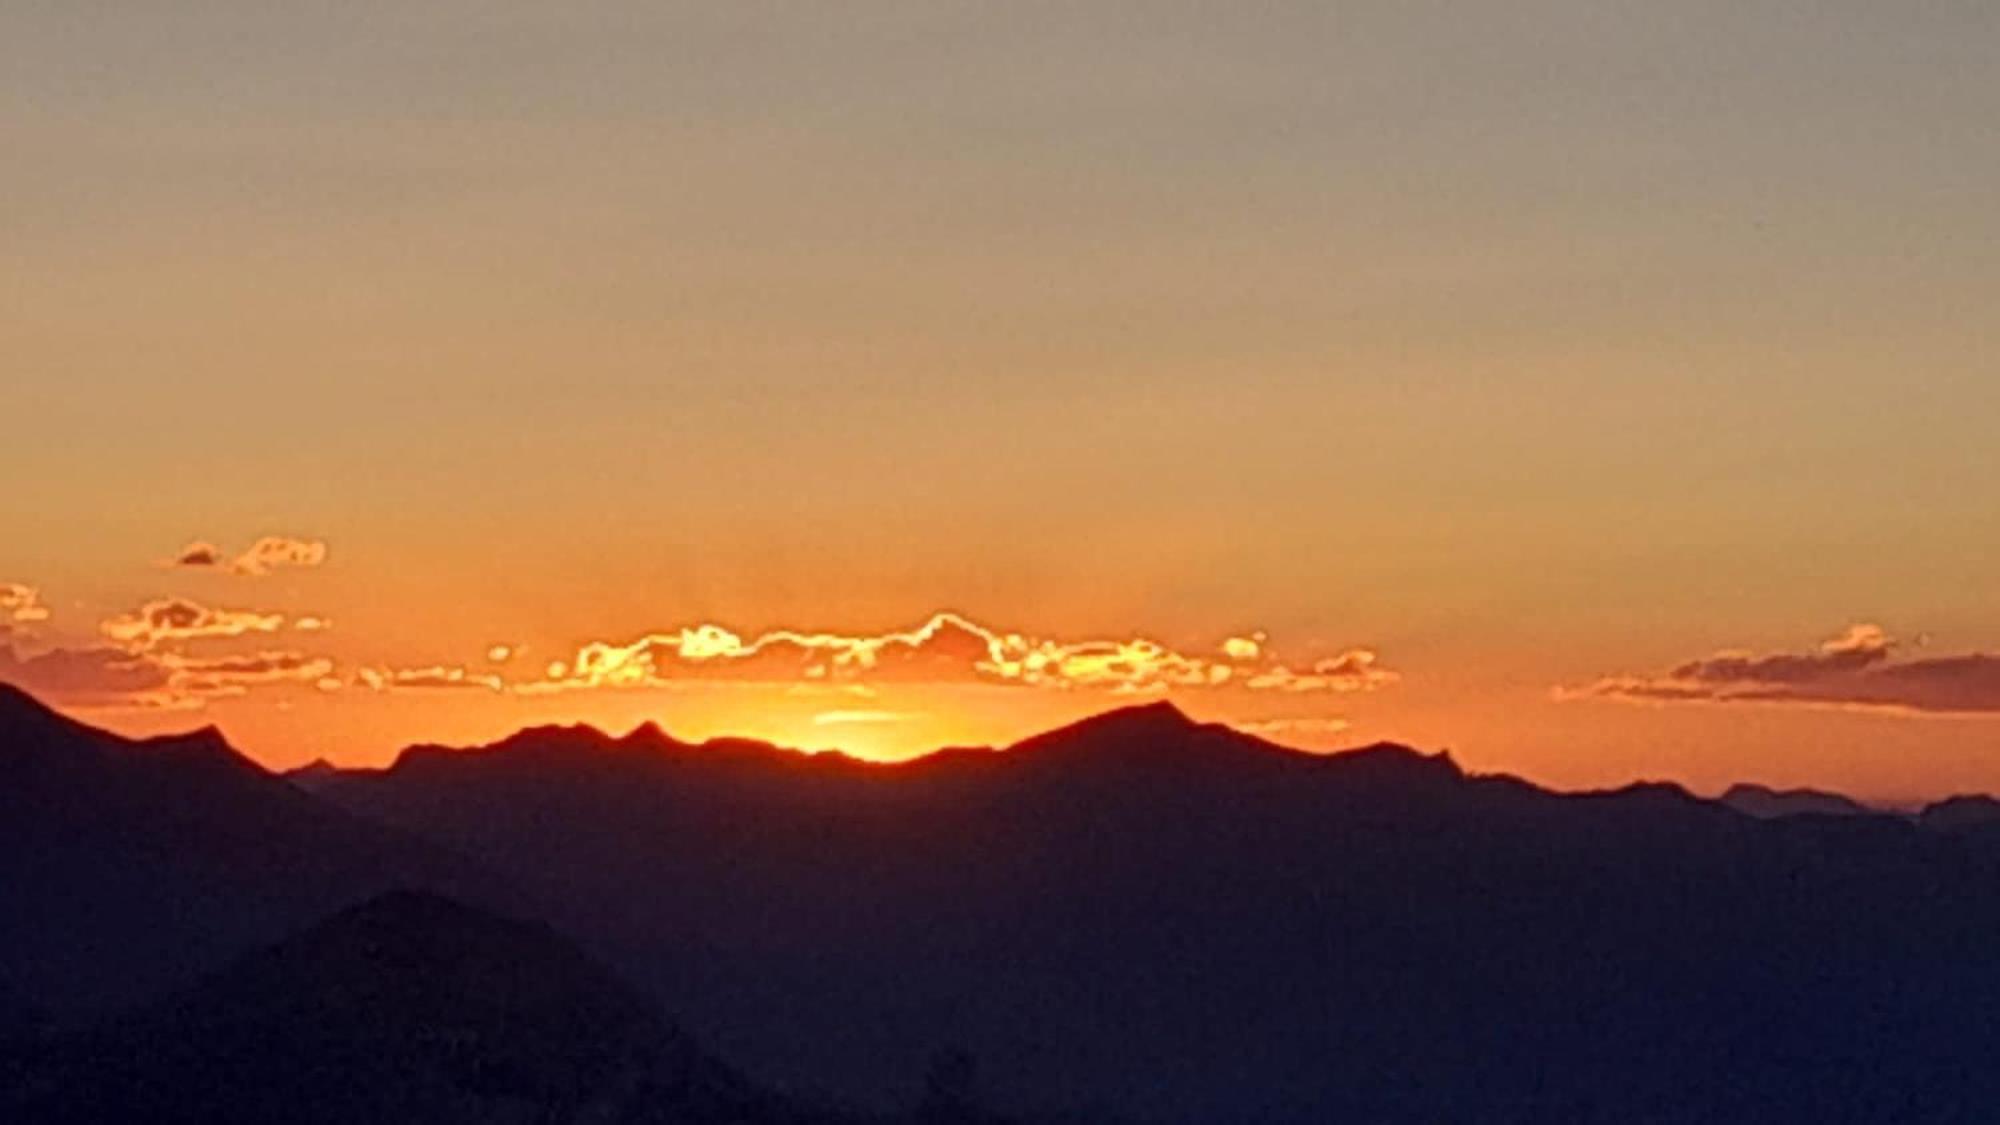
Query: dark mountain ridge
[
  {"x": 1180, "y": 922},
  {"x": 128, "y": 866},
  {"x": 1764, "y": 801}
]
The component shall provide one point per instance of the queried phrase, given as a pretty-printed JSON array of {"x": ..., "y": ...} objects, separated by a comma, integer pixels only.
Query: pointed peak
[
  {"x": 319, "y": 774},
  {"x": 206, "y": 745},
  {"x": 1145, "y": 720},
  {"x": 1158, "y": 711},
  {"x": 648, "y": 735},
  {"x": 1150, "y": 732}
]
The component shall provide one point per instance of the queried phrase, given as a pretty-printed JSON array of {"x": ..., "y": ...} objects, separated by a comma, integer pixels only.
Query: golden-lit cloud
[
  {"x": 432, "y": 677},
  {"x": 270, "y": 553},
  {"x": 20, "y": 606},
  {"x": 1304, "y": 726},
  {"x": 146, "y": 662},
  {"x": 1244, "y": 648},
  {"x": 949, "y": 648},
  {"x": 1857, "y": 669},
  {"x": 179, "y": 620},
  {"x": 857, "y": 718},
  {"x": 19, "y": 602},
  {"x": 236, "y": 675}
]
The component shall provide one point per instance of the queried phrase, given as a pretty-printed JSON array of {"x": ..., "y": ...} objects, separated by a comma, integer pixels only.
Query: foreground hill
[
  {"x": 1184, "y": 923},
  {"x": 406, "y": 1008},
  {"x": 127, "y": 867}
]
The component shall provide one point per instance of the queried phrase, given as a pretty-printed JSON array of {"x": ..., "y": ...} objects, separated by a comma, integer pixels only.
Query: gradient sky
[{"x": 1540, "y": 351}]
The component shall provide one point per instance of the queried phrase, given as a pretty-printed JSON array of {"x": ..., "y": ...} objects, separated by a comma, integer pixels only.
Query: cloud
[
  {"x": 197, "y": 554},
  {"x": 178, "y": 619},
  {"x": 115, "y": 676},
  {"x": 433, "y": 677},
  {"x": 236, "y": 675},
  {"x": 93, "y": 676},
  {"x": 1857, "y": 669},
  {"x": 264, "y": 556},
  {"x": 1356, "y": 669},
  {"x": 1244, "y": 648},
  {"x": 950, "y": 648},
  {"x": 20, "y": 607},
  {"x": 1303, "y": 727},
  {"x": 856, "y": 718}
]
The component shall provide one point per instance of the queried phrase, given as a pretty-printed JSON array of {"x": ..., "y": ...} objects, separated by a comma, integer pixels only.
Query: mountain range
[{"x": 1137, "y": 917}]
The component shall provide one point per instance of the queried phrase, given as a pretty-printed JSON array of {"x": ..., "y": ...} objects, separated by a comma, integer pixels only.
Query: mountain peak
[
  {"x": 648, "y": 735},
  {"x": 205, "y": 746},
  {"x": 1387, "y": 760},
  {"x": 1145, "y": 721}
]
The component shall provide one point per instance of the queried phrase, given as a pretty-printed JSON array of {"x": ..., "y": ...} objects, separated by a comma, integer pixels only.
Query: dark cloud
[
  {"x": 264, "y": 556},
  {"x": 198, "y": 555},
  {"x": 87, "y": 676},
  {"x": 1857, "y": 669},
  {"x": 106, "y": 676}
]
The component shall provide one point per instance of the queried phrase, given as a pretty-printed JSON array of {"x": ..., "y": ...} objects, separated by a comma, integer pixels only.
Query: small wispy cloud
[
  {"x": 271, "y": 553},
  {"x": 858, "y": 718},
  {"x": 435, "y": 677},
  {"x": 1302, "y": 727},
  {"x": 1860, "y": 668},
  {"x": 21, "y": 607},
  {"x": 179, "y": 620}
]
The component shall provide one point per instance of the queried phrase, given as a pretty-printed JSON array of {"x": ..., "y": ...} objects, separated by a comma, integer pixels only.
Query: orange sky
[{"x": 1543, "y": 354}]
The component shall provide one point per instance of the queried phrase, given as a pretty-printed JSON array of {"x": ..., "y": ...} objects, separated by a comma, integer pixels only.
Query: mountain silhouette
[
  {"x": 1766, "y": 802},
  {"x": 1183, "y": 923},
  {"x": 1975, "y": 813},
  {"x": 314, "y": 774},
  {"x": 128, "y": 866},
  {"x": 407, "y": 1008},
  {"x": 1136, "y": 917}
]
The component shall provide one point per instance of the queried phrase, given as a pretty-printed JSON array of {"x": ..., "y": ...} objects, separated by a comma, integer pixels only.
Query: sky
[{"x": 1598, "y": 390}]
